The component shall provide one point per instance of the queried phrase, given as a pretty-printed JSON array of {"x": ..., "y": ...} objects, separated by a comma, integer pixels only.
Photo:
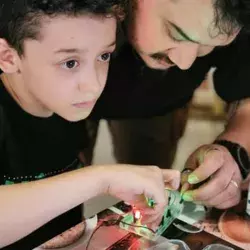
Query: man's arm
[
  {"x": 215, "y": 164},
  {"x": 238, "y": 125},
  {"x": 237, "y": 128}
]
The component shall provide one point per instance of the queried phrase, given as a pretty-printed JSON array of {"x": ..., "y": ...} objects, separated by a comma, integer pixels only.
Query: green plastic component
[
  {"x": 151, "y": 202},
  {"x": 129, "y": 219},
  {"x": 172, "y": 211},
  {"x": 129, "y": 224}
]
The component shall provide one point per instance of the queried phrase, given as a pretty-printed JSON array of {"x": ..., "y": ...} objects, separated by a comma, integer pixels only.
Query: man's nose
[{"x": 184, "y": 55}]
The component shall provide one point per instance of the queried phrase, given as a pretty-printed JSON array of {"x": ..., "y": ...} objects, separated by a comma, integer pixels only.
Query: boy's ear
[{"x": 8, "y": 58}]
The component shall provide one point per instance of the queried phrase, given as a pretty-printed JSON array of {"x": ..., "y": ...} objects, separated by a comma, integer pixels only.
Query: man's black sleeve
[{"x": 232, "y": 77}]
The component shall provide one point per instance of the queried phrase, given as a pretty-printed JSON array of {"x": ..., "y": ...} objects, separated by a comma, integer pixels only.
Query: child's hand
[{"x": 131, "y": 183}]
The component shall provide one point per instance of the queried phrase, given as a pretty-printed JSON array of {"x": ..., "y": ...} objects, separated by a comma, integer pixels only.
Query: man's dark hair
[
  {"x": 21, "y": 19},
  {"x": 231, "y": 15}
]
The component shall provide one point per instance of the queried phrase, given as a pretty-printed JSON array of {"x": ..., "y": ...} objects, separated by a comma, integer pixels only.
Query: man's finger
[
  {"x": 213, "y": 161},
  {"x": 232, "y": 193},
  {"x": 215, "y": 186},
  {"x": 185, "y": 187},
  {"x": 171, "y": 178},
  {"x": 230, "y": 203},
  {"x": 197, "y": 157},
  {"x": 191, "y": 162},
  {"x": 226, "y": 203}
]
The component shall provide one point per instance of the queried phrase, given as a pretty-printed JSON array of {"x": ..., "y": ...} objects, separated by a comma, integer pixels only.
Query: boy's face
[
  {"x": 65, "y": 70},
  {"x": 175, "y": 32}
]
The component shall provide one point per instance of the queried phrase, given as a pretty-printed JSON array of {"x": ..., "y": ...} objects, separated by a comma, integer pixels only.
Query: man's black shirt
[{"x": 134, "y": 90}]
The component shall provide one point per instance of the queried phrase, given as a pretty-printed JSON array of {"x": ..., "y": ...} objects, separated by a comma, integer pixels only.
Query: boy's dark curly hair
[
  {"x": 231, "y": 15},
  {"x": 21, "y": 19}
]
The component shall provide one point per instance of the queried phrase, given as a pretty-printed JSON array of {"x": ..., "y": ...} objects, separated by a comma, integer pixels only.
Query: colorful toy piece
[{"x": 132, "y": 221}]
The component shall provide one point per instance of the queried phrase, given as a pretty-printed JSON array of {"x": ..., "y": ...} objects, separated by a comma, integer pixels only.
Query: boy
[{"x": 54, "y": 57}]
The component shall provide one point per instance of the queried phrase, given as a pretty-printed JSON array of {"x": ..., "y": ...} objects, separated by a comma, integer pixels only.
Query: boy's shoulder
[{"x": 50, "y": 144}]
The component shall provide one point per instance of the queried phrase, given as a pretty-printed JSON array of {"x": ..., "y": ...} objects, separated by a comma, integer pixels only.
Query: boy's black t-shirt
[
  {"x": 134, "y": 90},
  {"x": 33, "y": 148}
]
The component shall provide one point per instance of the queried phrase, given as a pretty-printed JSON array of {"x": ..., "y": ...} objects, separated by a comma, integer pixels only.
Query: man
[{"x": 171, "y": 46}]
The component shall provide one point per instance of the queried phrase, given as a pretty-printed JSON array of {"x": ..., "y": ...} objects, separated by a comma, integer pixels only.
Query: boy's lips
[{"x": 87, "y": 104}]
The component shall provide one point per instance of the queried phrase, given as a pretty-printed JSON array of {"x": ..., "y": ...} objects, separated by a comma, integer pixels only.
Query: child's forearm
[{"x": 26, "y": 207}]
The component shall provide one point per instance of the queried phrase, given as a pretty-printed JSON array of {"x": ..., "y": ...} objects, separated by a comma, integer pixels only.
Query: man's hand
[
  {"x": 214, "y": 165},
  {"x": 134, "y": 183}
]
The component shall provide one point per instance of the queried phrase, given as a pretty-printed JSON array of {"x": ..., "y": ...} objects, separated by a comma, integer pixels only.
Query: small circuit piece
[{"x": 132, "y": 221}]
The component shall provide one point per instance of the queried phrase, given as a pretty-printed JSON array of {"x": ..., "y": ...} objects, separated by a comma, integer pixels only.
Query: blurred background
[{"x": 206, "y": 120}]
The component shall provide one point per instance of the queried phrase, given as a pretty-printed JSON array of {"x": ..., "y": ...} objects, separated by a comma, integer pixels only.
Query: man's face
[
  {"x": 66, "y": 69},
  {"x": 174, "y": 32}
]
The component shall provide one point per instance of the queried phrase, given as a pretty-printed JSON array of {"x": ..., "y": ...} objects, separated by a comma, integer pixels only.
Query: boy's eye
[
  {"x": 70, "y": 64},
  {"x": 105, "y": 57}
]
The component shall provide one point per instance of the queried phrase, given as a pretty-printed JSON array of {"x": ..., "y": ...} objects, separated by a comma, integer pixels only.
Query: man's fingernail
[
  {"x": 193, "y": 179},
  {"x": 187, "y": 196}
]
